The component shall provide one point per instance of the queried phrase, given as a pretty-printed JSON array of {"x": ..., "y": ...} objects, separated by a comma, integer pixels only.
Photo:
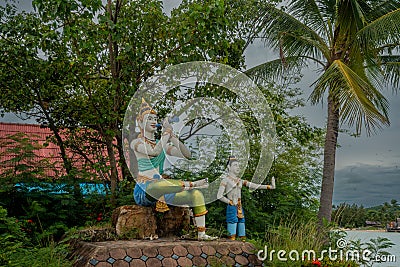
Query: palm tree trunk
[{"x": 332, "y": 129}]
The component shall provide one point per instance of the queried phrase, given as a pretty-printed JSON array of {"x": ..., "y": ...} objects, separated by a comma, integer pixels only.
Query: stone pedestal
[
  {"x": 165, "y": 252},
  {"x": 143, "y": 222}
]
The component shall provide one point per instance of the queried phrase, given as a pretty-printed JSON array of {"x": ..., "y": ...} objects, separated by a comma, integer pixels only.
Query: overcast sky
[{"x": 367, "y": 168}]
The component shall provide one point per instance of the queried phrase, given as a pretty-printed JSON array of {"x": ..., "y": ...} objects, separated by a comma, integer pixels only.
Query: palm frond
[
  {"x": 373, "y": 73},
  {"x": 308, "y": 11},
  {"x": 276, "y": 70},
  {"x": 381, "y": 7},
  {"x": 391, "y": 70},
  {"x": 298, "y": 45},
  {"x": 382, "y": 68},
  {"x": 350, "y": 16},
  {"x": 383, "y": 30},
  {"x": 327, "y": 9},
  {"x": 276, "y": 22},
  {"x": 359, "y": 102}
]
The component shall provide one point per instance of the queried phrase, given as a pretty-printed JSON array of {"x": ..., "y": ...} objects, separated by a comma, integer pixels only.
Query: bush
[
  {"x": 12, "y": 238},
  {"x": 46, "y": 214},
  {"x": 16, "y": 248},
  {"x": 52, "y": 255}
]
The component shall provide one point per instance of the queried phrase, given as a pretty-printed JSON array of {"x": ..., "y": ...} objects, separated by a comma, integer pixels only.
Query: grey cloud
[{"x": 366, "y": 184}]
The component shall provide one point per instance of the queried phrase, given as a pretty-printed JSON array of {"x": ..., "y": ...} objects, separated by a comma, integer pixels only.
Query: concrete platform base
[{"x": 165, "y": 252}]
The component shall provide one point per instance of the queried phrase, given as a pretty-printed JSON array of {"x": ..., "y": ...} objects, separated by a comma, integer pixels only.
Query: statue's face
[
  {"x": 234, "y": 168},
  {"x": 149, "y": 123}
]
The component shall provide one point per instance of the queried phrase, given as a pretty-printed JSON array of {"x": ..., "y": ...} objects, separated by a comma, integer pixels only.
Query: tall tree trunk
[
  {"x": 114, "y": 169},
  {"x": 66, "y": 160},
  {"x": 332, "y": 129},
  {"x": 122, "y": 160},
  {"x": 115, "y": 68}
]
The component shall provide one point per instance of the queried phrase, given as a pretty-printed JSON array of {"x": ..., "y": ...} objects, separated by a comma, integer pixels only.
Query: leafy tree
[
  {"x": 74, "y": 65},
  {"x": 296, "y": 166},
  {"x": 346, "y": 215},
  {"x": 349, "y": 216},
  {"x": 373, "y": 215},
  {"x": 394, "y": 203},
  {"x": 355, "y": 44}
]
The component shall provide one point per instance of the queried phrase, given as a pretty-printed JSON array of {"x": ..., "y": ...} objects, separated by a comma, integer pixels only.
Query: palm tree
[{"x": 356, "y": 45}]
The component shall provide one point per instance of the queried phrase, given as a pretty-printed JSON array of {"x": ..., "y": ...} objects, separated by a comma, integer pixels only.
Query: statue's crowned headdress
[
  {"x": 231, "y": 160},
  {"x": 145, "y": 108}
]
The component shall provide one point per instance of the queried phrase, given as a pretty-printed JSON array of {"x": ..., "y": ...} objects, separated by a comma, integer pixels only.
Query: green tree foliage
[
  {"x": 355, "y": 44},
  {"x": 349, "y": 216},
  {"x": 296, "y": 167},
  {"x": 12, "y": 238},
  {"x": 384, "y": 213},
  {"x": 352, "y": 216},
  {"x": 30, "y": 193}
]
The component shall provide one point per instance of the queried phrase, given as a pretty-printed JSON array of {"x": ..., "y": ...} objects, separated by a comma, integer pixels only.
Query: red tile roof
[
  {"x": 37, "y": 135},
  {"x": 47, "y": 156}
]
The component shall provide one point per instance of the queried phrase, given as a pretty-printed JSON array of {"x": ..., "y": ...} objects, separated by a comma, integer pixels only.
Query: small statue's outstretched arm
[{"x": 260, "y": 186}]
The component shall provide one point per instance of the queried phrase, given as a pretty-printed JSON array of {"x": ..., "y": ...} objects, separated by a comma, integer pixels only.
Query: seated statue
[
  {"x": 151, "y": 188},
  {"x": 231, "y": 185}
]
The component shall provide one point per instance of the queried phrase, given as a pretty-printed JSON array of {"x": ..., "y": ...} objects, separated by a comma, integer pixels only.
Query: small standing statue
[
  {"x": 231, "y": 185},
  {"x": 151, "y": 188}
]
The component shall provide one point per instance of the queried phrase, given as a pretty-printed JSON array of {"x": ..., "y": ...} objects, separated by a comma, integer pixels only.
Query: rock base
[
  {"x": 165, "y": 252},
  {"x": 134, "y": 221}
]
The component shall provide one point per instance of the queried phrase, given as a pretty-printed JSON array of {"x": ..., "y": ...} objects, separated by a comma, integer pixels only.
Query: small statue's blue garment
[{"x": 232, "y": 214}]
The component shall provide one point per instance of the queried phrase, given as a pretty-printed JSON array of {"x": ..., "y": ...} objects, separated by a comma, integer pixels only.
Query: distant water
[{"x": 365, "y": 236}]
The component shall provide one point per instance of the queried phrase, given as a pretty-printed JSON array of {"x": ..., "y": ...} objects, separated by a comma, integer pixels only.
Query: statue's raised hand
[
  {"x": 167, "y": 128},
  {"x": 273, "y": 183}
]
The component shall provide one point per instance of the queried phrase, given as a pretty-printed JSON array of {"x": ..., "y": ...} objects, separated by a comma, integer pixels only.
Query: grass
[{"x": 292, "y": 241}]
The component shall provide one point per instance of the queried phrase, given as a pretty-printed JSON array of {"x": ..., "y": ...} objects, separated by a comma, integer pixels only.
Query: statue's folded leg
[{"x": 167, "y": 186}]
